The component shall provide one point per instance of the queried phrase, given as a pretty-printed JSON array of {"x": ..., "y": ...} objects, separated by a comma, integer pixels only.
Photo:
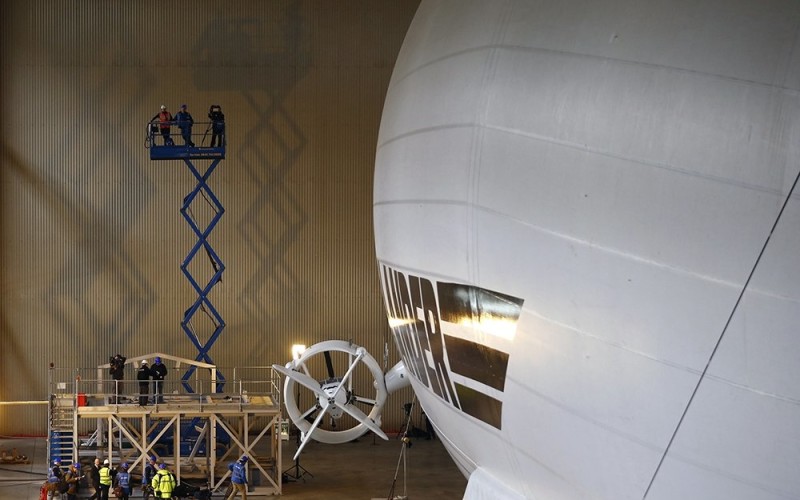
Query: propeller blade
[
  {"x": 302, "y": 379},
  {"x": 364, "y": 419},
  {"x": 329, "y": 364},
  {"x": 308, "y": 412},
  {"x": 310, "y": 431},
  {"x": 361, "y": 353}
]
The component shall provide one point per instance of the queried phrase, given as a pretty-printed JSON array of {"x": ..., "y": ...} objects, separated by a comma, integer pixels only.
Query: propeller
[
  {"x": 334, "y": 395},
  {"x": 329, "y": 364}
]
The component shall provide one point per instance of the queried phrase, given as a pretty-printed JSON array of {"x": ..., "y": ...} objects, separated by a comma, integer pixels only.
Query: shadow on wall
[{"x": 267, "y": 57}]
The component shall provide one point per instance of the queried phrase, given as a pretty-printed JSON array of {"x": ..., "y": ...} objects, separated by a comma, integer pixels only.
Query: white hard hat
[
  {"x": 144, "y": 361},
  {"x": 163, "y": 107}
]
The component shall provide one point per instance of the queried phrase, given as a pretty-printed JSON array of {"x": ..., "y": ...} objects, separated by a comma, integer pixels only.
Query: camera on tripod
[
  {"x": 217, "y": 126},
  {"x": 117, "y": 361},
  {"x": 215, "y": 113}
]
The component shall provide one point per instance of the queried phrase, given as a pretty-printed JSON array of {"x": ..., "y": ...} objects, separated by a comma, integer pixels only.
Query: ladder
[{"x": 61, "y": 435}]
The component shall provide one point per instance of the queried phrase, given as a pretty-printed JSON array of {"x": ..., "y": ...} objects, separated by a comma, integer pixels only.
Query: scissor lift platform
[{"x": 187, "y": 153}]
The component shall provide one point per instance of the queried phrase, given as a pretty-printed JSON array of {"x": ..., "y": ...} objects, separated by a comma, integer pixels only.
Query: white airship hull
[{"x": 592, "y": 200}]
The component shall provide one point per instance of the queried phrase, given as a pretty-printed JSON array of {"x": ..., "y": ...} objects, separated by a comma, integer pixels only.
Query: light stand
[
  {"x": 408, "y": 408},
  {"x": 299, "y": 471}
]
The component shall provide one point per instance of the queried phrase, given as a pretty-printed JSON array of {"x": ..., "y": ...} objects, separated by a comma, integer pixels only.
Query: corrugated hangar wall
[{"x": 91, "y": 237}]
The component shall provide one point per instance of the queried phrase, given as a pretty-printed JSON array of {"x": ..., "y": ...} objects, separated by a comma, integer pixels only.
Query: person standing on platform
[
  {"x": 217, "y": 126},
  {"x": 117, "y": 368},
  {"x": 185, "y": 122},
  {"x": 239, "y": 477},
  {"x": 143, "y": 375},
  {"x": 164, "y": 118},
  {"x": 94, "y": 477},
  {"x": 159, "y": 372}
]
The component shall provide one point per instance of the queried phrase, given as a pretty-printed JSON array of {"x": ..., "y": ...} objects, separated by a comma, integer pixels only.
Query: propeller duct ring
[{"x": 339, "y": 436}]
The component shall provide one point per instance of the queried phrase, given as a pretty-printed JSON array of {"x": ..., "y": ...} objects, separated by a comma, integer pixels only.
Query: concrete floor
[{"x": 364, "y": 469}]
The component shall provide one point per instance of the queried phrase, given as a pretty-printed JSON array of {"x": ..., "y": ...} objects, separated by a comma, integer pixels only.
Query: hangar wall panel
[{"x": 90, "y": 234}]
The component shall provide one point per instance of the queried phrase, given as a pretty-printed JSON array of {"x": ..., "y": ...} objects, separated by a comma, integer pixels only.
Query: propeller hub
[{"x": 335, "y": 400}]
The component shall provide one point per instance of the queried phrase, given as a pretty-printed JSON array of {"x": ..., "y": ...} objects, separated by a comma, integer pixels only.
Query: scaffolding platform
[{"x": 191, "y": 426}]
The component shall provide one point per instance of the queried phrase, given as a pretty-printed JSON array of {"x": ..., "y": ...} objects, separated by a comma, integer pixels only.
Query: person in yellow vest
[
  {"x": 105, "y": 479},
  {"x": 163, "y": 482}
]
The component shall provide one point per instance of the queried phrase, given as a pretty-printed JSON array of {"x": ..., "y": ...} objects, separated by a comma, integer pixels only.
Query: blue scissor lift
[{"x": 189, "y": 154}]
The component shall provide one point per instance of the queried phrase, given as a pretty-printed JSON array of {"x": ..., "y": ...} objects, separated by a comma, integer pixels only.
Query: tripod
[
  {"x": 299, "y": 471},
  {"x": 408, "y": 407},
  {"x": 203, "y": 142}
]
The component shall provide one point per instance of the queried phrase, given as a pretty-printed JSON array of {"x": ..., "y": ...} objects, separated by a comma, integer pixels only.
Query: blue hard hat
[
  {"x": 244, "y": 458},
  {"x": 124, "y": 465},
  {"x": 153, "y": 458},
  {"x": 162, "y": 466},
  {"x": 77, "y": 465},
  {"x": 158, "y": 359},
  {"x": 57, "y": 461}
]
